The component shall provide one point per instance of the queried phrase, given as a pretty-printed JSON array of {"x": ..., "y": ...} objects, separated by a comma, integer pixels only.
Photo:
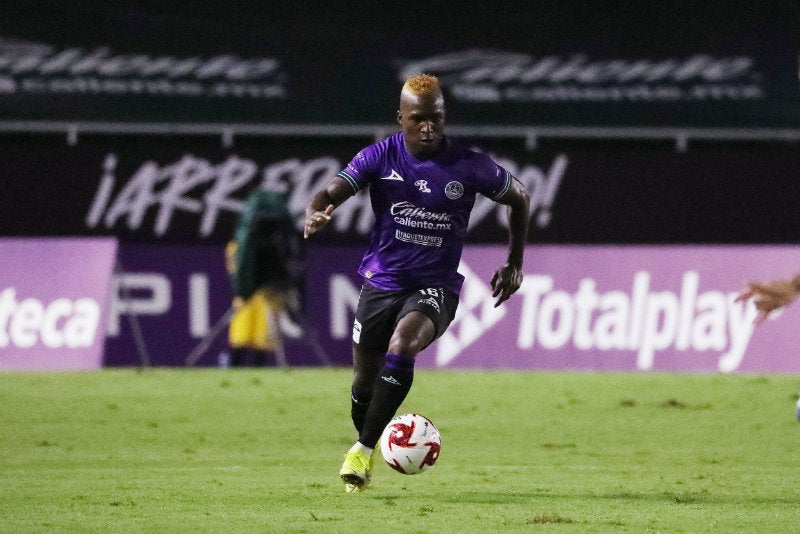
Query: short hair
[{"x": 422, "y": 84}]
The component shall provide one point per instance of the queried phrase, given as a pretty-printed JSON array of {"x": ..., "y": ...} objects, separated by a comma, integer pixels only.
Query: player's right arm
[{"x": 319, "y": 210}]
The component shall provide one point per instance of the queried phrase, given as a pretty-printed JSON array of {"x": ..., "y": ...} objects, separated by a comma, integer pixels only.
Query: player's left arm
[{"x": 508, "y": 278}]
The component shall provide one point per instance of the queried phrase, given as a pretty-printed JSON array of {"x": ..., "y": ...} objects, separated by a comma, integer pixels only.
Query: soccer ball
[{"x": 410, "y": 444}]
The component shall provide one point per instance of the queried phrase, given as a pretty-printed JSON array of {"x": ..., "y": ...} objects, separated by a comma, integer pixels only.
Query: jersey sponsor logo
[
  {"x": 423, "y": 186},
  {"x": 407, "y": 214},
  {"x": 407, "y": 209},
  {"x": 394, "y": 176},
  {"x": 427, "y": 225},
  {"x": 454, "y": 190},
  {"x": 419, "y": 239}
]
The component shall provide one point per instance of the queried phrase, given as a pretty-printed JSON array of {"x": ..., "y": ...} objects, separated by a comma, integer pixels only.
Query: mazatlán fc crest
[{"x": 454, "y": 190}]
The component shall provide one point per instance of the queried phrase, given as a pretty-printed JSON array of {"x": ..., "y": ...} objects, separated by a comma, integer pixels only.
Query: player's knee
[
  {"x": 405, "y": 346},
  {"x": 362, "y": 383}
]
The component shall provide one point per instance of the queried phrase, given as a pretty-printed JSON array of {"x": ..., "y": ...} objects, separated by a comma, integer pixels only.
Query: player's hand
[
  {"x": 317, "y": 220},
  {"x": 768, "y": 296},
  {"x": 505, "y": 282}
]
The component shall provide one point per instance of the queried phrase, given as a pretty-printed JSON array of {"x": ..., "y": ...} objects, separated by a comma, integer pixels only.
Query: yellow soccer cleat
[
  {"x": 355, "y": 470},
  {"x": 353, "y": 467}
]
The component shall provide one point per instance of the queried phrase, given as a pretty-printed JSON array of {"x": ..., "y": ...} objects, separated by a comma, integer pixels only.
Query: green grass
[{"x": 258, "y": 451}]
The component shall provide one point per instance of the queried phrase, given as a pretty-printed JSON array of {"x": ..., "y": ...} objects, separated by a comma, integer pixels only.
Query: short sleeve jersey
[{"x": 422, "y": 209}]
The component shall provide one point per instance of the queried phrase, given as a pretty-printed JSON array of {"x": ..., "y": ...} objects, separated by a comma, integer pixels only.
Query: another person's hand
[
  {"x": 769, "y": 296},
  {"x": 316, "y": 220},
  {"x": 505, "y": 282}
]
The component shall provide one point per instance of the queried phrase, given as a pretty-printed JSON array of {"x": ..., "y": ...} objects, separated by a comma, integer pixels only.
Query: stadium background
[{"x": 658, "y": 140}]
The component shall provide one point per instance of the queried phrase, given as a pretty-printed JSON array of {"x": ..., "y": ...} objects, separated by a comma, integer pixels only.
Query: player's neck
[{"x": 426, "y": 156}]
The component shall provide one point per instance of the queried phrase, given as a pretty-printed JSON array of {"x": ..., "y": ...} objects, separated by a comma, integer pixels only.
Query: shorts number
[{"x": 432, "y": 291}]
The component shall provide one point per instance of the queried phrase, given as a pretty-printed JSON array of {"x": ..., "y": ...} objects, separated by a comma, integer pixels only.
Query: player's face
[{"x": 421, "y": 118}]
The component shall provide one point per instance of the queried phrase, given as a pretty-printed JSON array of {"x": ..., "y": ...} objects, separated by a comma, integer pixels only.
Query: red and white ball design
[{"x": 410, "y": 444}]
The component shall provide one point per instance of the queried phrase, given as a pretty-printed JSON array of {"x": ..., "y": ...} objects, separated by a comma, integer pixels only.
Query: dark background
[{"x": 712, "y": 170}]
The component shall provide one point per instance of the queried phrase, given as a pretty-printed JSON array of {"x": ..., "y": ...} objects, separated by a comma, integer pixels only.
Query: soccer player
[
  {"x": 770, "y": 295},
  {"x": 422, "y": 187}
]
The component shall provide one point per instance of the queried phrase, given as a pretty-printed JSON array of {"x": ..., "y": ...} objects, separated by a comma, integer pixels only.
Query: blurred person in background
[
  {"x": 422, "y": 188},
  {"x": 264, "y": 261}
]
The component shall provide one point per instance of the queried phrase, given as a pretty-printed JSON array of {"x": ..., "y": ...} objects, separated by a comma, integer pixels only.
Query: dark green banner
[{"x": 708, "y": 64}]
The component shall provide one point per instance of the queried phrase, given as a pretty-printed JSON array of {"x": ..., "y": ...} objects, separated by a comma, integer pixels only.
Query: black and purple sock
[{"x": 391, "y": 389}]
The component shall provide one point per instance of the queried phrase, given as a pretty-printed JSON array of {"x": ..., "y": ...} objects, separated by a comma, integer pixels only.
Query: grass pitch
[{"x": 258, "y": 450}]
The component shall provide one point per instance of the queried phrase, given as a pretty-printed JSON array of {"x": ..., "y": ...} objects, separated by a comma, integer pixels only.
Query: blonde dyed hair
[{"x": 422, "y": 84}]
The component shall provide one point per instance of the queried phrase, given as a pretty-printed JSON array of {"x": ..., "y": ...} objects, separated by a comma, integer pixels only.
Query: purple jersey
[{"x": 421, "y": 210}]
